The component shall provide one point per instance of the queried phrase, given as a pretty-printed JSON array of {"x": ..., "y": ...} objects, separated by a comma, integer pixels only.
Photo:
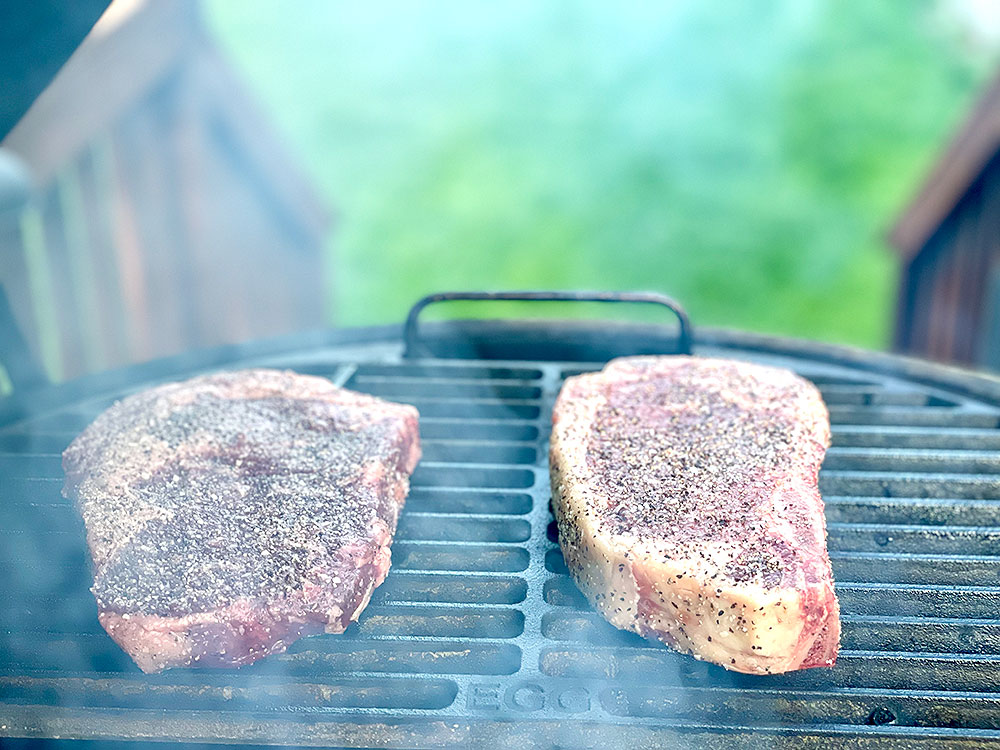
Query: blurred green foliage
[{"x": 747, "y": 158}]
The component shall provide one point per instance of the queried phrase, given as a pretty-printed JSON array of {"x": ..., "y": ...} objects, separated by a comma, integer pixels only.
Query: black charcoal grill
[{"x": 478, "y": 636}]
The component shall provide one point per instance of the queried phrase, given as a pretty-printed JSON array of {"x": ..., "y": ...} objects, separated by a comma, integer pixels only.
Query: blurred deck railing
[{"x": 165, "y": 214}]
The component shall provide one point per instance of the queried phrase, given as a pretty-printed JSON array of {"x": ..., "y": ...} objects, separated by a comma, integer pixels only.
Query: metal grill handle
[{"x": 684, "y": 336}]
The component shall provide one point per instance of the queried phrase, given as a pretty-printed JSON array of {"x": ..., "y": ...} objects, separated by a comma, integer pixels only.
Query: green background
[{"x": 747, "y": 158}]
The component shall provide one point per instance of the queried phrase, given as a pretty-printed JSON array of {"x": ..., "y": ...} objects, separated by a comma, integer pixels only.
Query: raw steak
[
  {"x": 230, "y": 514},
  {"x": 685, "y": 491}
]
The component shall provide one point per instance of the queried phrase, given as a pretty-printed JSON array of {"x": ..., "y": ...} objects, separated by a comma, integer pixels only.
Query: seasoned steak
[
  {"x": 231, "y": 514},
  {"x": 685, "y": 491}
]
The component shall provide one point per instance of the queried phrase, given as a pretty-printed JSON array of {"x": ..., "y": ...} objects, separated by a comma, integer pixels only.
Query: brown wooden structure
[
  {"x": 166, "y": 215},
  {"x": 948, "y": 239}
]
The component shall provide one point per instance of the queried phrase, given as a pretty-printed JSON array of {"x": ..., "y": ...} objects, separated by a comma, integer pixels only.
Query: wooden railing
[{"x": 165, "y": 214}]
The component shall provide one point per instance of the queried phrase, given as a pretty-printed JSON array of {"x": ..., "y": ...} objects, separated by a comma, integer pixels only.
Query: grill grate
[{"x": 478, "y": 633}]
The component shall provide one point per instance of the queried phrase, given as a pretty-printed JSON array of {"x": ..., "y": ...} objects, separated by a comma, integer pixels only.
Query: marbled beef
[
  {"x": 230, "y": 514},
  {"x": 685, "y": 491}
]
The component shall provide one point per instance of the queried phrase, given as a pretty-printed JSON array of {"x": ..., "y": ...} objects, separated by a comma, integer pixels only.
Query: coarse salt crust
[
  {"x": 685, "y": 491},
  {"x": 232, "y": 513}
]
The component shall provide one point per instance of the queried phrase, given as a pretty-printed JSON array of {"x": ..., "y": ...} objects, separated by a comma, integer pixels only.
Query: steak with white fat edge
[
  {"x": 685, "y": 491},
  {"x": 233, "y": 513}
]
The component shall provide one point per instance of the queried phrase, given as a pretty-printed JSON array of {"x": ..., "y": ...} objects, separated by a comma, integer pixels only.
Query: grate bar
[
  {"x": 901, "y": 484},
  {"x": 913, "y": 460},
  {"x": 901, "y": 416},
  {"x": 913, "y": 510},
  {"x": 916, "y": 437}
]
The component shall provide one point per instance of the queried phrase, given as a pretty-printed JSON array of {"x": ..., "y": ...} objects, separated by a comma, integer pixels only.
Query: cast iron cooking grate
[{"x": 478, "y": 633}]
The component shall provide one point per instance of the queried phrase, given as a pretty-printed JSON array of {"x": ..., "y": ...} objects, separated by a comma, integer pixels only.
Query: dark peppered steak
[
  {"x": 685, "y": 491},
  {"x": 231, "y": 514}
]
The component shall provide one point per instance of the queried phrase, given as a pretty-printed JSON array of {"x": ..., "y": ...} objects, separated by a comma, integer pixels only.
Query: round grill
[{"x": 478, "y": 635}]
